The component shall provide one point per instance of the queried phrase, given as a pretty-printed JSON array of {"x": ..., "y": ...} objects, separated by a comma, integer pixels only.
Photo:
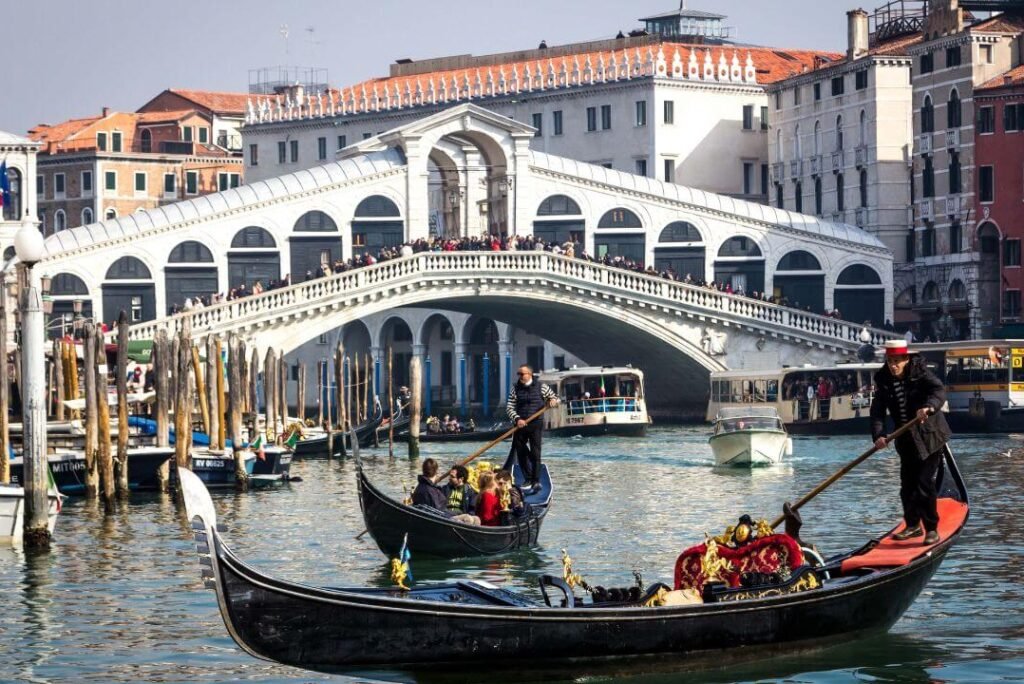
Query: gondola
[
  {"x": 432, "y": 533},
  {"x": 463, "y": 436},
  {"x": 467, "y": 623}
]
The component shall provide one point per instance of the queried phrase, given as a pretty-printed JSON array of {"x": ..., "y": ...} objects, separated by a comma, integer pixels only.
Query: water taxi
[
  {"x": 597, "y": 400},
  {"x": 749, "y": 436}
]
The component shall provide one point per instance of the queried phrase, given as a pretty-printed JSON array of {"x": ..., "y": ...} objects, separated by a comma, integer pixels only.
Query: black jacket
[
  {"x": 924, "y": 389},
  {"x": 429, "y": 494}
]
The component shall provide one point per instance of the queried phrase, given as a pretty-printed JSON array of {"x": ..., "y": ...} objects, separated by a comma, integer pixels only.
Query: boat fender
[{"x": 789, "y": 446}]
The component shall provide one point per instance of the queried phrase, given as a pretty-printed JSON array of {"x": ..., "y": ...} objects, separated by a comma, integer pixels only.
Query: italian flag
[
  {"x": 292, "y": 439},
  {"x": 257, "y": 446}
]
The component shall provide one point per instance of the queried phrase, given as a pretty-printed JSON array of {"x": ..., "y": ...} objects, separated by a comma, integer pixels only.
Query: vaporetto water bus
[{"x": 597, "y": 400}]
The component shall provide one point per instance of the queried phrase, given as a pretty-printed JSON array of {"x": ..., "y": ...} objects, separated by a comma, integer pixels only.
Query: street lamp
[
  {"x": 28, "y": 245},
  {"x": 76, "y": 324}
]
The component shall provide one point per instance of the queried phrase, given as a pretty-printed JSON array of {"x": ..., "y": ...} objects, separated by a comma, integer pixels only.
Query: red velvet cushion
[{"x": 767, "y": 555}]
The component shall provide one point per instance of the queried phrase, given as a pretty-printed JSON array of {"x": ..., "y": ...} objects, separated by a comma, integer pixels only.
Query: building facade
[{"x": 19, "y": 156}]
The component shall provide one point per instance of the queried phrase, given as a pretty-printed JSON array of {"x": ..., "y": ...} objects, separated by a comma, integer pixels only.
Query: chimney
[
  {"x": 106, "y": 112},
  {"x": 857, "y": 29}
]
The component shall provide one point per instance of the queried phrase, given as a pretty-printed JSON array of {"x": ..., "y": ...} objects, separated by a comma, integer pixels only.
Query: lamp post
[
  {"x": 76, "y": 325},
  {"x": 28, "y": 245}
]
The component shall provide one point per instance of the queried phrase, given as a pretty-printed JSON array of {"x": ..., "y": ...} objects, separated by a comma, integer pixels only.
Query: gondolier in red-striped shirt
[
  {"x": 526, "y": 398},
  {"x": 906, "y": 389}
]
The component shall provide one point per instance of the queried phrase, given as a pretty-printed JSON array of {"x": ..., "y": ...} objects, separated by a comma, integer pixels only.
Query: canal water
[{"x": 119, "y": 599}]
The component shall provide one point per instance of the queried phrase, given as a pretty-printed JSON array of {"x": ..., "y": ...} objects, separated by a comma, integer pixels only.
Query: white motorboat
[
  {"x": 746, "y": 436},
  {"x": 12, "y": 513}
]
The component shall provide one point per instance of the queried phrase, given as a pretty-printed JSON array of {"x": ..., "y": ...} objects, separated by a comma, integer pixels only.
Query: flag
[
  {"x": 5, "y": 185},
  {"x": 257, "y": 446},
  {"x": 292, "y": 439}
]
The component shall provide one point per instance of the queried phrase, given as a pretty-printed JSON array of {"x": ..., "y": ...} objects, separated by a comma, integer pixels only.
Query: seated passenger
[
  {"x": 461, "y": 498},
  {"x": 488, "y": 507},
  {"x": 427, "y": 493},
  {"x": 509, "y": 492}
]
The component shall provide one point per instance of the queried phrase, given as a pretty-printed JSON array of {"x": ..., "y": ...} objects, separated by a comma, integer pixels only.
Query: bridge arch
[
  {"x": 741, "y": 264},
  {"x": 621, "y": 232},
  {"x": 559, "y": 219},
  {"x": 860, "y": 294},
  {"x": 190, "y": 272},
  {"x": 314, "y": 240},
  {"x": 253, "y": 257},
  {"x": 799, "y": 277},
  {"x": 376, "y": 223},
  {"x": 129, "y": 286},
  {"x": 66, "y": 288},
  {"x": 681, "y": 248}
]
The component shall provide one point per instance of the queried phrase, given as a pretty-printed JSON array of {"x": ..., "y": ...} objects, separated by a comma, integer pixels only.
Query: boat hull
[
  {"x": 218, "y": 470},
  {"x": 68, "y": 469},
  {"x": 749, "y": 447},
  {"x": 12, "y": 514},
  {"x": 637, "y": 429},
  {"x": 276, "y": 461}
]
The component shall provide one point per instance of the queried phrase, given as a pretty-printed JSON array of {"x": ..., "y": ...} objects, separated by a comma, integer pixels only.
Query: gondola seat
[
  {"x": 766, "y": 555},
  {"x": 889, "y": 553}
]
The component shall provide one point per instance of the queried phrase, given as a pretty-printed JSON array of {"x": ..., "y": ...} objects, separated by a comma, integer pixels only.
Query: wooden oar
[
  {"x": 839, "y": 473},
  {"x": 487, "y": 446}
]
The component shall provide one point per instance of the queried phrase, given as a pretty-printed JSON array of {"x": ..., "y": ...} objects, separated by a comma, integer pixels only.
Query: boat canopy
[{"x": 747, "y": 412}]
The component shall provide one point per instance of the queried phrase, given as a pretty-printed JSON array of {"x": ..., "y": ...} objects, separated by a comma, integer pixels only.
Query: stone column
[
  {"x": 473, "y": 177},
  {"x": 506, "y": 354},
  {"x": 417, "y": 210}
]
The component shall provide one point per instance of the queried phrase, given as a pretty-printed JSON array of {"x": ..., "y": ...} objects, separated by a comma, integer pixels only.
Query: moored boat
[
  {"x": 746, "y": 436},
  {"x": 475, "y": 435},
  {"x": 466, "y": 623},
  {"x": 12, "y": 512},
  {"x": 273, "y": 460},
  {"x": 597, "y": 400},
  {"x": 68, "y": 468},
  {"x": 217, "y": 469}
]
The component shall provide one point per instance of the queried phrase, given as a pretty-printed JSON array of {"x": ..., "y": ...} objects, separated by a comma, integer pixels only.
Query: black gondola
[
  {"x": 462, "y": 623},
  {"x": 432, "y": 533},
  {"x": 316, "y": 447},
  {"x": 463, "y": 436}
]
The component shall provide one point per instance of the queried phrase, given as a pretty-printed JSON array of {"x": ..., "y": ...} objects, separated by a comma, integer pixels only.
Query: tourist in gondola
[
  {"x": 526, "y": 398},
  {"x": 488, "y": 507},
  {"x": 460, "y": 497},
  {"x": 427, "y": 493},
  {"x": 510, "y": 496},
  {"x": 906, "y": 389}
]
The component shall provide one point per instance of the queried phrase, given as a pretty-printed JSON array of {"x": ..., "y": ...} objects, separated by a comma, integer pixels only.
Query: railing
[
  {"x": 926, "y": 210},
  {"x": 861, "y": 217},
  {"x": 816, "y": 165},
  {"x": 861, "y": 156},
  {"x": 778, "y": 172},
  {"x": 796, "y": 168},
  {"x": 241, "y": 314},
  {"x": 582, "y": 407},
  {"x": 952, "y": 138},
  {"x": 838, "y": 161},
  {"x": 924, "y": 143},
  {"x": 952, "y": 205},
  {"x": 229, "y": 142}
]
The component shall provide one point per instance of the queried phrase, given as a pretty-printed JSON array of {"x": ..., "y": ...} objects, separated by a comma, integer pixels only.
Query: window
[
  {"x": 748, "y": 117},
  {"x": 58, "y": 184},
  {"x": 322, "y": 339},
  {"x": 1011, "y": 298},
  {"x": 641, "y": 112},
  {"x": 101, "y": 141},
  {"x": 863, "y": 187},
  {"x": 796, "y": 95},
  {"x": 235, "y": 179},
  {"x": 40, "y": 185},
  {"x": 955, "y": 237},
  {"x": 294, "y": 147},
  {"x": 222, "y": 182},
  {"x": 987, "y": 183},
  {"x": 191, "y": 182},
  {"x": 928, "y": 241},
  {"x": 952, "y": 56},
  {"x": 861, "y": 79},
  {"x": 764, "y": 180},
  {"x": 110, "y": 213},
  {"x": 170, "y": 184},
  {"x": 911, "y": 246},
  {"x": 986, "y": 120},
  {"x": 764, "y": 118},
  {"x": 136, "y": 308},
  {"x": 840, "y": 193},
  {"x": 1011, "y": 252},
  {"x": 204, "y": 134},
  {"x": 110, "y": 180},
  {"x": 342, "y": 141},
  {"x": 778, "y": 100},
  {"x": 670, "y": 111},
  {"x": 41, "y": 215},
  {"x": 798, "y": 193},
  {"x": 928, "y": 179},
  {"x": 86, "y": 216},
  {"x": 953, "y": 110},
  {"x": 321, "y": 148},
  {"x": 641, "y": 167},
  {"x": 282, "y": 152},
  {"x": 985, "y": 52},
  {"x": 538, "y": 123},
  {"x": 367, "y": 136},
  {"x": 927, "y": 115},
  {"x": 140, "y": 182},
  {"x": 817, "y": 92},
  {"x": 927, "y": 63},
  {"x": 186, "y": 133},
  {"x": 839, "y": 134},
  {"x": 817, "y": 196},
  {"x": 60, "y": 221},
  {"x": 1013, "y": 117},
  {"x": 87, "y": 182},
  {"x": 556, "y": 122},
  {"x": 748, "y": 178},
  {"x": 780, "y": 200},
  {"x": 670, "y": 170},
  {"x": 838, "y": 84},
  {"x": 954, "y": 173},
  {"x": 606, "y": 165},
  {"x": 254, "y": 155},
  {"x": 591, "y": 118},
  {"x": 606, "y": 117}
]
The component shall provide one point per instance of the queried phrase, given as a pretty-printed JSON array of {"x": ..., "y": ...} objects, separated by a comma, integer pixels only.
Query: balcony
[
  {"x": 953, "y": 205},
  {"x": 816, "y": 165},
  {"x": 924, "y": 210},
  {"x": 924, "y": 143},
  {"x": 796, "y": 168},
  {"x": 230, "y": 142},
  {"x": 952, "y": 138},
  {"x": 861, "y": 216},
  {"x": 778, "y": 172},
  {"x": 838, "y": 161},
  {"x": 861, "y": 154}
]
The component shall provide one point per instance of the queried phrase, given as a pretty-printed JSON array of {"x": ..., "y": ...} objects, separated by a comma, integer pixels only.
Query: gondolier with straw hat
[
  {"x": 527, "y": 397},
  {"x": 907, "y": 390}
]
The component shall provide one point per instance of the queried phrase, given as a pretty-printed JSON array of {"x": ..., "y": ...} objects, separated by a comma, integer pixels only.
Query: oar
[
  {"x": 487, "y": 446},
  {"x": 793, "y": 508}
]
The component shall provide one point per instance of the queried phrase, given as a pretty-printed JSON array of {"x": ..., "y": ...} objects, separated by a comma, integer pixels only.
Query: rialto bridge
[{"x": 467, "y": 171}]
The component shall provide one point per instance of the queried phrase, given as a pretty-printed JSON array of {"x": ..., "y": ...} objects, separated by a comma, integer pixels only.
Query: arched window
[
  {"x": 66, "y": 284},
  {"x": 315, "y": 222},
  {"x": 927, "y": 115},
  {"x": 9, "y": 253},
  {"x": 840, "y": 193},
  {"x": 859, "y": 274},
  {"x": 190, "y": 252},
  {"x": 146, "y": 140},
  {"x": 798, "y": 196},
  {"x": 817, "y": 138},
  {"x": 739, "y": 246},
  {"x": 817, "y": 196},
  {"x": 863, "y": 128},
  {"x": 930, "y": 292},
  {"x": 953, "y": 110},
  {"x": 863, "y": 187},
  {"x": 558, "y": 205},
  {"x": 253, "y": 237},
  {"x": 780, "y": 152},
  {"x": 619, "y": 218},
  {"x": 988, "y": 238},
  {"x": 957, "y": 291},
  {"x": 60, "y": 221},
  {"x": 797, "y": 147},
  {"x": 680, "y": 231},
  {"x": 86, "y": 216},
  {"x": 799, "y": 261},
  {"x": 839, "y": 133},
  {"x": 110, "y": 213},
  {"x": 128, "y": 268},
  {"x": 377, "y": 206},
  {"x": 12, "y": 202}
]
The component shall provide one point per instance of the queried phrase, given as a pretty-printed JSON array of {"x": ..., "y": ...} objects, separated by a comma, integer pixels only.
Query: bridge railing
[{"x": 218, "y": 316}]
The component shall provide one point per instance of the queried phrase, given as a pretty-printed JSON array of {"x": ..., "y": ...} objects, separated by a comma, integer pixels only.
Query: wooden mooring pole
[
  {"x": 59, "y": 366},
  {"x": 182, "y": 401},
  {"x": 236, "y": 392},
  {"x": 415, "y": 403},
  {"x": 391, "y": 404},
  {"x": 5, "y": 396},
  {"x": 161, "y": 385},
  {"x": 339, "y": 391},
  {"x": 92, "y": 476},
  {"x": 121, "y": 465},
  {"x": 106, "y": 459}
]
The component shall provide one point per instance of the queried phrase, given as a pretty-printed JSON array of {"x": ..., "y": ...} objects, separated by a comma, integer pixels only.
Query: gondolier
[
  {"x": 526, "y": 398},
  {"x": 906, "y": 389}
]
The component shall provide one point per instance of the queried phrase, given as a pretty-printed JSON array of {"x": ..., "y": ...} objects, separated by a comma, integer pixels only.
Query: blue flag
[
  {"x": 404, "y": 556},
  {"x": 5, "y": 185}
]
